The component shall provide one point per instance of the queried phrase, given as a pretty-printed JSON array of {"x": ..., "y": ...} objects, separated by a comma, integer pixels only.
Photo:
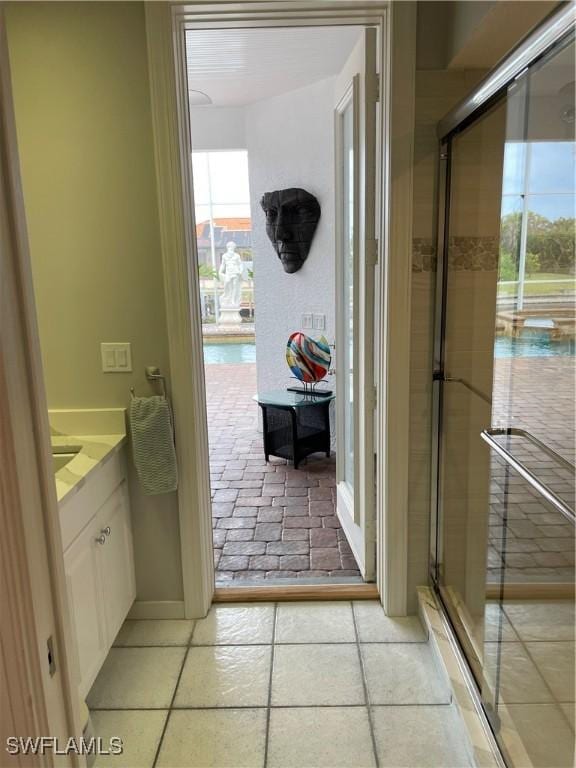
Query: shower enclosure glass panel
[{"x": 504, "y": 559}]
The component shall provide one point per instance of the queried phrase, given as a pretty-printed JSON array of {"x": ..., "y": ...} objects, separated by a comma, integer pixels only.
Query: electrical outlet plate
[
  {"x": 307, "y": 321},
  {"x": 116, "y": 357},
  {"x": 319, "y": 322}
]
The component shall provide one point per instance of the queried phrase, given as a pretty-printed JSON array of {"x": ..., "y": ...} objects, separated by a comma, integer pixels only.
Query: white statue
[{"x": 230, "y": 273}]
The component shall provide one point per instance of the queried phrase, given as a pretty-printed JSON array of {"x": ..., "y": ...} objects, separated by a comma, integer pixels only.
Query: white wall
[
  {"x": 290, "y": 144},
  {"x": 215, "y": 128}
]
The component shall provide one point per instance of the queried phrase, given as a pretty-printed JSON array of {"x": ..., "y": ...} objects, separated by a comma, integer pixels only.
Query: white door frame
[
  {"x": 396, "y": 24},
  {"x": 394, "y": 292}
]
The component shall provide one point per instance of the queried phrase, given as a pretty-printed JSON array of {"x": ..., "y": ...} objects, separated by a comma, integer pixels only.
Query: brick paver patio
[
  {"x": 270, "y": 520},
  {"x": 530, "y": 541}
]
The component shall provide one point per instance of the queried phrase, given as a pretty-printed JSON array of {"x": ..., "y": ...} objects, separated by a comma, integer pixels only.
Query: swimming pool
[
  {"x": 527, "y": 346},
  {"x": 536, "y": 345},
  {"x": 244, "y": 352}
]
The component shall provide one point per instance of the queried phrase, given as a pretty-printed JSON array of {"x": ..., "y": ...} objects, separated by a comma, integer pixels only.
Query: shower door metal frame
[{"x": 559, "y": 25}]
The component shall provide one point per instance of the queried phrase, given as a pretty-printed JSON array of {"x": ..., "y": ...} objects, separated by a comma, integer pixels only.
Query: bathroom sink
[{"x": 62, "y": 454}]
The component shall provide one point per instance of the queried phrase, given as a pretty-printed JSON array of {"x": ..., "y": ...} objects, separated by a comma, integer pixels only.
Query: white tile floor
[
  {"x": 292, "y": 685},
  {"x": 534, "y": 668}
]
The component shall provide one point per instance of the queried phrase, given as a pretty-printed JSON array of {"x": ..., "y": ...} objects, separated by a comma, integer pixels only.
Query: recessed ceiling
[{"x": 241, "y": 66}]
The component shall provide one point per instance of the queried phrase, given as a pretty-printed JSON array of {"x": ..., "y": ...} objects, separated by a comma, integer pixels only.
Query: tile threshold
[
  {"x": 292, "y": 582},
  {"x": 301, "y": 592}
]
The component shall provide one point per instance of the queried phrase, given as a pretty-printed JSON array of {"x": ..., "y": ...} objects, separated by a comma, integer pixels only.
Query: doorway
[
  {"x": 503, "y": 551},
  {"x": 283, "y": 139}
]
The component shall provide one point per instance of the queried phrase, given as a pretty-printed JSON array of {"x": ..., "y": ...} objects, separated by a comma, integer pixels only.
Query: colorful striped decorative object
[{"x": 308, "y": 359}]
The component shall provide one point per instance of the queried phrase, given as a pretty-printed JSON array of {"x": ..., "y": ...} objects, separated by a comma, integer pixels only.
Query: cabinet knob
[
  {"x": 100, "y": 539},
  {"x": 106, "y": 531}
]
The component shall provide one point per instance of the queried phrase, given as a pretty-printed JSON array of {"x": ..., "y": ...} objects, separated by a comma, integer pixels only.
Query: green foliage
[
  {"x": 532, "y": 263},
  {"x": 507, "y": 267},
  {"x": 205, "y": 270},
  {"x": 550, "y": 245}
]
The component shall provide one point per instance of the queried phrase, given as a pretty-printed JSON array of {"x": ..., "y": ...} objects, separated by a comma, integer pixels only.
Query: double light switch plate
[{"x": 116, "y": 357}]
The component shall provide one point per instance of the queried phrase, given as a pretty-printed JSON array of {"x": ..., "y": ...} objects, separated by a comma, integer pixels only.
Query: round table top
[{"x": 282, "y": 398}]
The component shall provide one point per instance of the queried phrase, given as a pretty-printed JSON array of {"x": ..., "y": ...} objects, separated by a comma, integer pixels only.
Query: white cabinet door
[
  {"x": 117, "y": 560},
  {"x": 81, "y": 563}
]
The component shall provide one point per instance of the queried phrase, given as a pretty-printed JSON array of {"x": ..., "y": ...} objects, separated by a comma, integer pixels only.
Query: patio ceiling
[{"x": 240, "y": 66}]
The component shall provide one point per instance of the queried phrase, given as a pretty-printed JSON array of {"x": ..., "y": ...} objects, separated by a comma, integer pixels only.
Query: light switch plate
[
  {"x": 116, "y": 357},
  {"x": 319, "y": 322},
  {"x": 307, "y": 322}
]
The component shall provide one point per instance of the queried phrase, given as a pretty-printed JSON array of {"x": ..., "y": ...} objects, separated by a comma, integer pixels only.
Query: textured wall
[
  {"x": 290, "y": 144},
  {"x": 80, "y": 78},
  {"x": 214, "y": 128}
]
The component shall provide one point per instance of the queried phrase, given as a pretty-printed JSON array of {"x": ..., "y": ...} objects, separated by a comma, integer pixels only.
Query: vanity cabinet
[
  {"x": 99, "y": 567},
  {"x": 86, "y": 602},
  {"x": 117, "y": 562}
]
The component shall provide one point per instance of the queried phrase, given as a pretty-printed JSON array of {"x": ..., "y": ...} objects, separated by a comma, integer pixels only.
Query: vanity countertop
[{"x": 95, "y": 450}]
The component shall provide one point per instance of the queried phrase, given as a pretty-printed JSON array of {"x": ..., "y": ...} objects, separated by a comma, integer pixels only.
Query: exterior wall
[
  {"x": 290, "y": 144},
  {"x": 214, "y": 128},
  {"x": 84, "y": 126}
]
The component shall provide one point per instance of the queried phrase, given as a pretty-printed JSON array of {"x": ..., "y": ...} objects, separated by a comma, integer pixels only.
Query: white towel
[{"x": 153, "y": 444}]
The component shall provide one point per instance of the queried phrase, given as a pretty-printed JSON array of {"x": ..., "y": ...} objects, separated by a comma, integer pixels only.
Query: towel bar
[{"x": 153, "y": 374}]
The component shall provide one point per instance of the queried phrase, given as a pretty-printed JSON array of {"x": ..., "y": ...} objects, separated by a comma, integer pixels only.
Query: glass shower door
[{"x": 506, "y": 372}]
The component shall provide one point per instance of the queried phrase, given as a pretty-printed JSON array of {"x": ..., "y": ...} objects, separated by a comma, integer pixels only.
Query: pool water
[
  {"x": 536, "y": 345},
  {"x": 229, "y": 353}
]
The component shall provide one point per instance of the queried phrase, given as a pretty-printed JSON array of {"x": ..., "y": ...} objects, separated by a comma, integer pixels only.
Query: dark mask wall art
[{"x": 291, "y": 219}]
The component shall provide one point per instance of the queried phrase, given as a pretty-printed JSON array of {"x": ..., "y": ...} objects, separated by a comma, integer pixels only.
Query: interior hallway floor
[
  {"x": 271, "y": 521},
  {"x": 291, "y": 685}
]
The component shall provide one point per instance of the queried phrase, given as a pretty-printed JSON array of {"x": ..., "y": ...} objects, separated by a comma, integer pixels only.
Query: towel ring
[{"x": 153, "y": 374}]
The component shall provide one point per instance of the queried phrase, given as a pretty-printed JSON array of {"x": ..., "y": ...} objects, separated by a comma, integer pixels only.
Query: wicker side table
[{"x": 295, "y": 425}]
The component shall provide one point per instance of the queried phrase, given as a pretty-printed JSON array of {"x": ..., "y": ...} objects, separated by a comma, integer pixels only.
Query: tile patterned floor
[
  {"x": 273, "y": 522},
  {"x": 291, "y": 685},
  {"x": 529, "y": 540},
  {"x": 270, "y": 520}
]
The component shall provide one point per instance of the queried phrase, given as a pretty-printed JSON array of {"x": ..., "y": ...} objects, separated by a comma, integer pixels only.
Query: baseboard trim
[
  {"x": 157, "y": 609},
  {"x": 277, "y": 594}
]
